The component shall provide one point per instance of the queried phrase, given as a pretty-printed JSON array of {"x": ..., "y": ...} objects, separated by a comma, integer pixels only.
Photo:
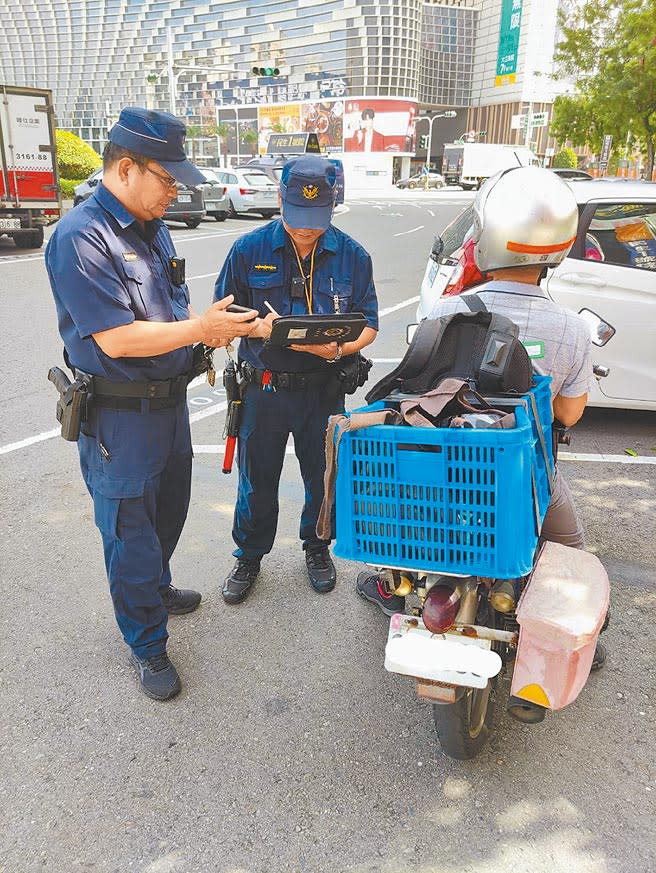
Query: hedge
[
  {"x": 75, "y": 159},
  {"x": 67, "y": 186}
]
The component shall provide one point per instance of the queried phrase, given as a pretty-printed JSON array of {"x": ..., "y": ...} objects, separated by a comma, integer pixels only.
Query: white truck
[
  {"x": 30, "y": 197},
  {"x": 470, "y": 164}
]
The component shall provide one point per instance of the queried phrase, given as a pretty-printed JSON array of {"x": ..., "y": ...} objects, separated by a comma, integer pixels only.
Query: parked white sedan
[
  {"x": 610, "y": 271},
  {"x": 250, "y": 191}
]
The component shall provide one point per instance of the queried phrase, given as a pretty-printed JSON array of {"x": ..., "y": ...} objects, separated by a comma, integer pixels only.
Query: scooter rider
[
  {"x": 297, "y": 265},
  {"x": 525, "y": 221}
]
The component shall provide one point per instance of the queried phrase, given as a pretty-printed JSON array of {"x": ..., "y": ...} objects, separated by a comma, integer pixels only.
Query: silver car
[
  {"x": 215, "y": 194},
  {"x": 250, "y": 191}
]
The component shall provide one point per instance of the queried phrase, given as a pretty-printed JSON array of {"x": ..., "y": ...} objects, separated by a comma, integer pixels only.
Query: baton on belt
[{"x": 233, "y": 395}]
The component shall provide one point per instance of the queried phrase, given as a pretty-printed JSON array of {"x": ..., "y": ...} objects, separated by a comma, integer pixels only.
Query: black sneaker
[
  {"x": 180, "y": 601},
  {"x": 599, "y": 658},
  {"x": 321, "y": 569},
  {"x": 369, "y": 586},
  {"x": 238, "y": 583},
  {"x": 159, "y": 678}
]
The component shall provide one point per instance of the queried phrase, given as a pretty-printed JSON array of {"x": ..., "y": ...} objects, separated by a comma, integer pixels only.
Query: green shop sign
[{"x": 511, "y": 20}]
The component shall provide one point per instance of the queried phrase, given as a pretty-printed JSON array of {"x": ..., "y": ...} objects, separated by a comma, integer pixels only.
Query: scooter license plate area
[{"x": 412, "y": 650}]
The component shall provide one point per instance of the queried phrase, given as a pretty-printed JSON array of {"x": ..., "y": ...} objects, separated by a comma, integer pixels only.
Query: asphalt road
[{"x": 291, "y": 748}]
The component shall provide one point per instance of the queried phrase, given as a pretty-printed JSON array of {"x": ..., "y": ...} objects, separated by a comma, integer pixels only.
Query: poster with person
[{"x": 379, "y": 126}]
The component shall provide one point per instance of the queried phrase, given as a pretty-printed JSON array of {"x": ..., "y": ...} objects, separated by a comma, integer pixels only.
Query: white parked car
[
  {"x": 249, "y": 191},
  {"x": 215, "y": 194},
  {"x": 610, "y": 271}
]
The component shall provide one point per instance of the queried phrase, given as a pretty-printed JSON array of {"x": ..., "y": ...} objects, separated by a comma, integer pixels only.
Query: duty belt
[
  {"x": 161, "y": 393},
  {"x": 274, "y": 381}
]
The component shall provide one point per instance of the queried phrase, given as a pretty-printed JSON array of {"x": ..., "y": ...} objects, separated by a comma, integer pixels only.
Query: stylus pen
[{"x": 270, "y": 308}]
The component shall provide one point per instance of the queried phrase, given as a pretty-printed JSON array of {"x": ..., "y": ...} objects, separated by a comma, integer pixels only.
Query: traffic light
[
  {"x": 265, "y": 71},
  {"x": 423, "y": 141}
]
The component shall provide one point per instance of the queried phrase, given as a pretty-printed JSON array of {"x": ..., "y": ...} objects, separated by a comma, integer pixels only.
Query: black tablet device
[{"x": 315, "y": 329}]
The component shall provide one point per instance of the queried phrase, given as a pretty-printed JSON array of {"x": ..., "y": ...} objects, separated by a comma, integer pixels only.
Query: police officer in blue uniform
[
  {"x": 297, "y": 265},
  {"x": 124, "y": 316}
]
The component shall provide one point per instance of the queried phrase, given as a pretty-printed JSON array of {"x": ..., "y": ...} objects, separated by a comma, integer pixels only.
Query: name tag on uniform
[
  {"x": 130, "y": 256},
  {"x": 535, "y": 349}
]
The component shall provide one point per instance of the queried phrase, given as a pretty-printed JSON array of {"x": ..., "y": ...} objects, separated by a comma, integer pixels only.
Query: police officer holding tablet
[
  {"x": 298, "y": 265},
  {"x": 125, "y": 319}
]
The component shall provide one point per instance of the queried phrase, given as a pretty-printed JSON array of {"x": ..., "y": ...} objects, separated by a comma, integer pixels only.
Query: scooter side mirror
[
  {"x": 437, "y": 248},
  {"x": 600, "y": 331}
]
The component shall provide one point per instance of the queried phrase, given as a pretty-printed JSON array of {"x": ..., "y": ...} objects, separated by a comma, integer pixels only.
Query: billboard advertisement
[
  {"x": 379, "y": 126},
  {"x": 326, "y": 119},
  {"x": 276, "y": 118},
  {"x": 509, "y": 29}
]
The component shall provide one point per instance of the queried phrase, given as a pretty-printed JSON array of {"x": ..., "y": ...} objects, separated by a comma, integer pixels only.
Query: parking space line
[
  {"x": 413, "y": 230},
  {"x": 606, "y": 459}
]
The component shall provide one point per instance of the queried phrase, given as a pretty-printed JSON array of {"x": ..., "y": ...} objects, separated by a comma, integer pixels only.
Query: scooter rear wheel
[{"x": 464, "y": 727}]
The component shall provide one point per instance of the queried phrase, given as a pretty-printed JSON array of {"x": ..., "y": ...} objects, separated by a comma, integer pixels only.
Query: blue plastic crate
[{"x": 445, "y": 500}]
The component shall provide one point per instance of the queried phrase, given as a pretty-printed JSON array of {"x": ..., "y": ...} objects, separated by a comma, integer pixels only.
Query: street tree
[
  {"x": 609, "y": 48},
  {"x": 565, "y": 158}
]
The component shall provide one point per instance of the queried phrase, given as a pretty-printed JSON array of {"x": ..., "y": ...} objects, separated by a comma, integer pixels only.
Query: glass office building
[{"x": 338, "y": 61}]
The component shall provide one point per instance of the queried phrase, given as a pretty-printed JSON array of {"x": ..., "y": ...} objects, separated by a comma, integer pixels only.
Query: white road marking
[
  {"x": 19, "y": 259},
  {"x": 605, "y": 459},
  {"x": 21, "y": 444},
  {"x": 402, "y": 305},
  {"x": 413, "y": 230},
  {"x": 13, "y": 259},
  {"x": 203, "y": 276}
]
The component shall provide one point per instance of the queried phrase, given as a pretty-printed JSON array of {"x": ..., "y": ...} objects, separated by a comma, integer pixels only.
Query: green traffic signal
[{"x": 265, "y": 71}]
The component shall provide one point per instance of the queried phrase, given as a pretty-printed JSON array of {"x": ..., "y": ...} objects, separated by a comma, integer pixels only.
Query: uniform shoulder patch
[{"x": 130, "y": 256}]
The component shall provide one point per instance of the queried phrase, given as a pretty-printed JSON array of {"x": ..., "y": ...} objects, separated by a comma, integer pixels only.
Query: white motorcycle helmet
[{"x": 524, "y": 216}]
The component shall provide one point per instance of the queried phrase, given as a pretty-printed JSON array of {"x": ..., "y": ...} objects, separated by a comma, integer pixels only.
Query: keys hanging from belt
[{"x": 208, "y": 354}]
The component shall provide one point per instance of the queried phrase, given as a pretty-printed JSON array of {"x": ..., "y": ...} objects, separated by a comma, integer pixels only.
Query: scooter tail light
[
  {"x": 440, "y": 608},
  {"x": 502, "y": 596}
]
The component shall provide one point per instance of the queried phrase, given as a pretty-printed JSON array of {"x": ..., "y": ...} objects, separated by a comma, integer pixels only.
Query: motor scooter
[{"x": 423, "y": 509}]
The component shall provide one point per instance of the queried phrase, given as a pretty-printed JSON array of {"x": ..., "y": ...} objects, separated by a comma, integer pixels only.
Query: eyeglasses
[{"x": 168, "y": 181}]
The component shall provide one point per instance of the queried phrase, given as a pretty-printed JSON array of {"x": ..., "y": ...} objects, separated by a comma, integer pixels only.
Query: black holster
[
  {"x": 352, "y": 372},
  {"x": 72, "y": 406}
]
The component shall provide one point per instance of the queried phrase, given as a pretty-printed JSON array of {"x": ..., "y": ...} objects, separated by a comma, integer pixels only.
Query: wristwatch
[{"x": 340, "y": 352}]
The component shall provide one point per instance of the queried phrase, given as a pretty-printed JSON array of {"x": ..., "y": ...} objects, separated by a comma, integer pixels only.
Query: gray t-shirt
[{"x": 559, "y": 337}]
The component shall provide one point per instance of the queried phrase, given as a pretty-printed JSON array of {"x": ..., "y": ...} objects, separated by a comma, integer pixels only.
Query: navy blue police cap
[
  {"x": 307, "y": 190},
  {"x": 156, "y": 135}
]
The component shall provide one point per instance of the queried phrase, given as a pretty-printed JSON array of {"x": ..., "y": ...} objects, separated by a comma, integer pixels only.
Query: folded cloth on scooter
[
  {"x": 453, "y": 403},
  {"x": 423, "y": 411}
]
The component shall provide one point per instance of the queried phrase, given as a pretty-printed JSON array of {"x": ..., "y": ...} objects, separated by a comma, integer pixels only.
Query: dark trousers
[
  {"x": 268, "y": 419},
  {"x": 141, "y": 497}
]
